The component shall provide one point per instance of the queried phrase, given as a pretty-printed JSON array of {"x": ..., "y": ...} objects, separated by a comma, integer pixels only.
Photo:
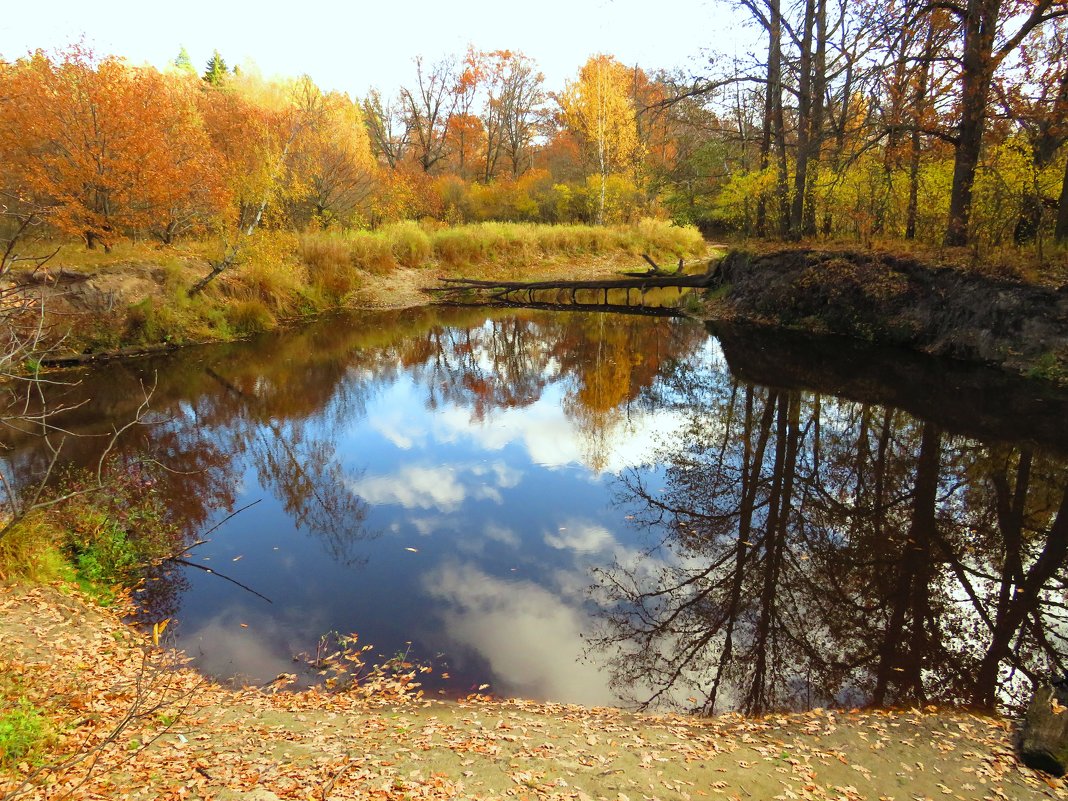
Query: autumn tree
[
  {"x": 333, "y": 169},
  {"x": 599, "y": 109},
  {"x": 257, "y": 127},
  {"x": 769, "y": 15},
  {"x": 1038, "y": 104},
  {"x": 464, "y": 125},
  {"x": 990, "y": 31},
  {"x": 517, "y": 98},
  {"x": 387, "y": 128},
  {"x": 108, "y": 147}
]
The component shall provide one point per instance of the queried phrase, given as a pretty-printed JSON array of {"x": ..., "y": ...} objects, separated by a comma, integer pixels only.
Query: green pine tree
[
  {"x": 216, "y": 71},
  {"x": 184, "y": 62}
]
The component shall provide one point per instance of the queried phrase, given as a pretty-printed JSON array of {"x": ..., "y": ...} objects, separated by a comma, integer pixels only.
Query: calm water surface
[{"x": 607, "y": 509}]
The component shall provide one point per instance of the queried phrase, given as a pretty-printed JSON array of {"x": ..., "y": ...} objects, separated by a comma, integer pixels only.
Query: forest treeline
[{"x": 944, "y": 123}]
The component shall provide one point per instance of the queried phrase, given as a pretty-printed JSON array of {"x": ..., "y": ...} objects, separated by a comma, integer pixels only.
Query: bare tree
[{"x": 429, "y": 109}]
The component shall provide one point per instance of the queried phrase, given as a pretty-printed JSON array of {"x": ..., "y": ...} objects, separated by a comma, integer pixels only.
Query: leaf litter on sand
[{"x": 133, "y": 721}]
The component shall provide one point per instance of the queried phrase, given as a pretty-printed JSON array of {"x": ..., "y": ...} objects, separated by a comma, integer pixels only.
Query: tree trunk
[
  {"x": 919, "y": 105},
  {"x": 980, "y": 25},
  {"x": 819, "y": 89},
  {"x": 804, "y": 121},
  {"x": 1061, "y": 231},
  {"x": 772, "y": 128}
]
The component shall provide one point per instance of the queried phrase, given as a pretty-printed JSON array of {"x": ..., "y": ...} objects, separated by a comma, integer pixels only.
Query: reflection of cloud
[
  {"x": 582, "y": 537},
  {"x": 413, "y": 487},
  {"x": 551, "y": 439},
  {"x": 502, "y": 534},
  {"x": 396, "y": 426},
  {"x": 258, "y": 653},
  {"x": 398, "y": 438},
  {"x": 506, "y": 477},
  {"x": 485, "y": 493},
  {"x": 424, "y": 525},
  {"x": 441, "y": 488},
  {"x": 531, "y": 639}
]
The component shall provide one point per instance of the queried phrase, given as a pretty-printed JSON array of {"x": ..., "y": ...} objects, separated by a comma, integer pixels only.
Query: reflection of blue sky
[{"x": 489, "y": 529}]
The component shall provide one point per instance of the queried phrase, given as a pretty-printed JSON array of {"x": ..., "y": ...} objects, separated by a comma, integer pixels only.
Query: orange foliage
[{"x": 108, "y": 146}]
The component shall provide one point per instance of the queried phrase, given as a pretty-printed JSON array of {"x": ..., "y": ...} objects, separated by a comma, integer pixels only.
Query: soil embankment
[
  {"x": 896, "y": 300},
  {"x": 125, "y": 723}
]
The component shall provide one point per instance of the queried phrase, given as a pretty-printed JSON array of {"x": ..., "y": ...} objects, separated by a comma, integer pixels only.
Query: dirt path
[{"x": 190, "y": 739}]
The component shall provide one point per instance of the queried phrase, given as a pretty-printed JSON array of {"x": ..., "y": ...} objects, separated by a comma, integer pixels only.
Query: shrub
[
  {"x": 110, "y": 535},
  {"x": 271, "y": 271},
  {"x": 372, "y": 252},
  {"x": 457, "y": 247},
  {"x": 249, "y": 316},
  {"x": 31, "y": 551},
  {"x": 328, "y": 260},
  {"x": 409, "y": 243}
]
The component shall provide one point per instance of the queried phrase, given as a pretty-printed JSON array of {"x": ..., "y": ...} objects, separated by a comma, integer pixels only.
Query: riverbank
[
  {"x": 973, "y": 315},
  {"x": 132, "y": 302},
  {"x": 136, "y": 298},
  {"x": 121, "y": 717}
]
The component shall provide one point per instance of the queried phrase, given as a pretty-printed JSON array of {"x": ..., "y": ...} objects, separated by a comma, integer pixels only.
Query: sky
[{"x": 356, "y": 45}]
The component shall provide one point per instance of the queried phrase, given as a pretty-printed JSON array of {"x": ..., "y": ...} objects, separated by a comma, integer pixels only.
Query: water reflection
[
  {"x": 818, "y": 550},
  {"x": 588, "y": 508}
]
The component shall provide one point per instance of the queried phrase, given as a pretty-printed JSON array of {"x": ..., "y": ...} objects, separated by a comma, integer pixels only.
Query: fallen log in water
[{"x": 502, "y": 290}]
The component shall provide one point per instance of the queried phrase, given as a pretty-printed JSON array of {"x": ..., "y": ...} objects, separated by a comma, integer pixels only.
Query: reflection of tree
[
  {"x": 498, "y": 365},
  {"x": 302, "y": 470},
  {"x": 820, "y": 551},
  {"x": 611, "y": 361}
]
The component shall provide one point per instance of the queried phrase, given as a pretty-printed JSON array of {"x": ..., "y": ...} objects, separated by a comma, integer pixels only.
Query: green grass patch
[
  {"x": 1048, "y": 367},
  {"x": 99, "y": 539},
  {"x": 23, "y": 730}
]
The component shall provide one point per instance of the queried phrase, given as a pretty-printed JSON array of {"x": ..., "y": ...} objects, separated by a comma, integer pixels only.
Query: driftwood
[
  {"x": 656, "y": 269},
  {"x": 504, "y": 290},
  {"x": 74, "y": 359}
]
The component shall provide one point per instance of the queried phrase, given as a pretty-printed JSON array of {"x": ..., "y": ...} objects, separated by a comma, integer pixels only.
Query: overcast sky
[{"x": 351, "y": 46}]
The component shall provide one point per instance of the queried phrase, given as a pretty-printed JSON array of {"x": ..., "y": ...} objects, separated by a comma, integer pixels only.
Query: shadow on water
[{"x": 747, "y": 521}]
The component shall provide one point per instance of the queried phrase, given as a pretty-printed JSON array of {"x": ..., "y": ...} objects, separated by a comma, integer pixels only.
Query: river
[{"x": 602, "y": 509}]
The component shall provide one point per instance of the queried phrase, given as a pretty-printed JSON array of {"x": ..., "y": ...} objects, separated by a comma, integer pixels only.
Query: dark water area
[{"x": 603, "y": 509}]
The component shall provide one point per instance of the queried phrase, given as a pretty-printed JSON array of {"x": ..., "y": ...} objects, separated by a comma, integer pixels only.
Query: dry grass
[
  {"x": 30, "y": 551},
  {"x": 491, "y": 243}
]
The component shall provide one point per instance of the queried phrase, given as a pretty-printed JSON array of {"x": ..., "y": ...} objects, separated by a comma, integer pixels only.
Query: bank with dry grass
[{"x": 137, "y": 296}]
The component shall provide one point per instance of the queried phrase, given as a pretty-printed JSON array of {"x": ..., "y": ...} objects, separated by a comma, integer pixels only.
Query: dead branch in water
[{"x": 652, "y": 279}]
